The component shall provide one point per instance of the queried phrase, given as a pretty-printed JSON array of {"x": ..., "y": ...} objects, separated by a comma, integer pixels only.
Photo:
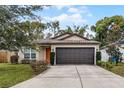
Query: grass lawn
[
  {"x": 11, "y": 74},
  {"x": 119, "y": 69}
]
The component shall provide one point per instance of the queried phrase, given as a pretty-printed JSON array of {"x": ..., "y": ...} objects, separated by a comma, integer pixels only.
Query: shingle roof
[
  {"x": 50, "y": 41},
  {"x": 57, "y": 41}
]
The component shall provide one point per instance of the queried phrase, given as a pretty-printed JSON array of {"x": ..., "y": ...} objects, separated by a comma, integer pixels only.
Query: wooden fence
[{"x": 3, "y": 57}]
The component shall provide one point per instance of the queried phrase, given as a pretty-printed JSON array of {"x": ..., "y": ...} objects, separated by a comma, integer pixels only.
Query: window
[
  {"x": 29, "y": 54},
  {"x": 26, "y": 55}
]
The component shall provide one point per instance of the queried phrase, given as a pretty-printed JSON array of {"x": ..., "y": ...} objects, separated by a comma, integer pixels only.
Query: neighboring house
[
  {"x": 69, "y": 49},
  {"x": 119, "y": 44}
]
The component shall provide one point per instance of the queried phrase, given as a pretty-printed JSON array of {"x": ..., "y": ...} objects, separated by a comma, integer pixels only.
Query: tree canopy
[
  {"x": 109, "y": 29},
  {"x": 77, "y": 29},
  {"x": 54, "y": 29},
  {"x": 15, "y": 32}
]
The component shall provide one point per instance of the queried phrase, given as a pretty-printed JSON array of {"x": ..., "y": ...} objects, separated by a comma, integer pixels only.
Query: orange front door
[{"x": 48, "y": 50}]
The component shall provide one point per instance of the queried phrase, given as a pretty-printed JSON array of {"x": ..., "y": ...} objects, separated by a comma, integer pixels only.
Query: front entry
[{"x": 48, "y": 50}]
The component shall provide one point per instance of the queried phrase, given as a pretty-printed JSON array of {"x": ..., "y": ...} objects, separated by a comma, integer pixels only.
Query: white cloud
[
  {"x": 66, "y": 19},
  {"x": 60, "y": 17},
  {"x": 59, "y": 7},
  {"x": 73, "y": 10},
  {"x": 71, "y": 16},
  {"x": 82, "y": 10},
  {"x": 46, "y": 7}
]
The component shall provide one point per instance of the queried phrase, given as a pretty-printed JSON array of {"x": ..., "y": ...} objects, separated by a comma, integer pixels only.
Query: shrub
[
  {"x": 98, "y": 63},
  {"x": 115, "y": 53},
  {"x": 106, "y": 65},
  {"x": 14, "y": 59},
  {"x": 27, "y": 61},
  {"x": 52, "y": 54},
  {"x": 109, "y": 66},
  {"x": 98, "y": 56},
  {"x": 38, "y": 66},
  {"x": 103, "y": 64}
]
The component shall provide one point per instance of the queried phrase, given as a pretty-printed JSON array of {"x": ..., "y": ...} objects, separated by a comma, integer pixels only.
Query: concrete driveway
[{"x": 74, "y": 76}]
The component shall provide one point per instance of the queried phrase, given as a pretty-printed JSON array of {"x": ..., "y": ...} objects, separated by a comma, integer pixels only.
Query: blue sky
[{"x": 79, "y": 14}]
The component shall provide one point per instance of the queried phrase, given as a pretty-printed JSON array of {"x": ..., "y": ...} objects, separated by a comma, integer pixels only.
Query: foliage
[
  {"x": 98, "y": 56},
  {"x": 27, "y": 61},
  {"x": 109, "y": 29},
  {"x": 48, "y": 35},
  {"x": 52, "y": 55},
  {"x": 38, "y": 66},
  {"x": 113, "y": 51},
  {"x": 53, "y": 27},
  {"x": 77, "y": 29},
  {"x": 15, "y": 32},
  {"x": 117, "y": 69},
  {"x": 14, "y": 59},
  {"x": 12, "y": 74}
]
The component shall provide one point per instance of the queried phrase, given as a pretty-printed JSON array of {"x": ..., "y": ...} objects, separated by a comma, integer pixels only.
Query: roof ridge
[{"x": 60, "y": 35}]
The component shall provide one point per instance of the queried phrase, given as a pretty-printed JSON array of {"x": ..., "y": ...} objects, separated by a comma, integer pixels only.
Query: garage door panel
[{"x": 75, "y": 55}]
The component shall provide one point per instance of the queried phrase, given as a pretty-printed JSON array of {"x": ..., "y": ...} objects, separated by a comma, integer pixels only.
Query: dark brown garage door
[{"x": 74, "y": 55}]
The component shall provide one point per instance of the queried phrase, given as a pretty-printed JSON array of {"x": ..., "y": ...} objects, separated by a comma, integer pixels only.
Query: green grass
[
  {"x": 119, "y": 69},
  {"x": 11, "y": 74}
]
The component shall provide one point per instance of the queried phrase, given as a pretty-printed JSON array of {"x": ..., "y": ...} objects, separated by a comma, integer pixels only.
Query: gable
[
  {"x": 70, "y": 36},
  {"x": 63, "y": 36},
  {"x": 74, "y": 37}
]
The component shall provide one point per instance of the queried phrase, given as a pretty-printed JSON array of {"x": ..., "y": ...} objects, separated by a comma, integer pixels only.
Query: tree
[
  {"x": 54, "y": 27},
  {"x": 29, "y": 32},
  {"x": 89, "y": 36},
  {"x": 77, "y": 29},
  {"x": 48, "y": 35},
  {"x": 14, "y": 33},
  {"x": 114, "y": 52},
  {"x": 109, "y": 29}
]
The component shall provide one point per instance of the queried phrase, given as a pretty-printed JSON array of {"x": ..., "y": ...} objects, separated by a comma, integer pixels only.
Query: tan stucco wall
[
  {"x": 21, "y": 56},
  {"x": 40, "y": 55}
]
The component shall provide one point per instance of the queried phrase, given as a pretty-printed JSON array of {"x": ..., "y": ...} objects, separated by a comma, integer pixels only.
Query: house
[
  {"x": 119, "y": 44},
  {"x": 69, "y": 49}
]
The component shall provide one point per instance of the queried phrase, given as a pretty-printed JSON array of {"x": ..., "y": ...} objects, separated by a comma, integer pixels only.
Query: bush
[
  {"x": 27, "y": 61},
  {"x": 109, "y": 66},
  {"x": 14, "y": 59},
  {"x": 38, "y": 66},
  {"x": 98, "y": 63},
  {"x": 52, "y": 54},
  {"x": 98, "y": 56},
  {"x": 106, "y": 65},
  {"x": 115, "y": 53}
]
